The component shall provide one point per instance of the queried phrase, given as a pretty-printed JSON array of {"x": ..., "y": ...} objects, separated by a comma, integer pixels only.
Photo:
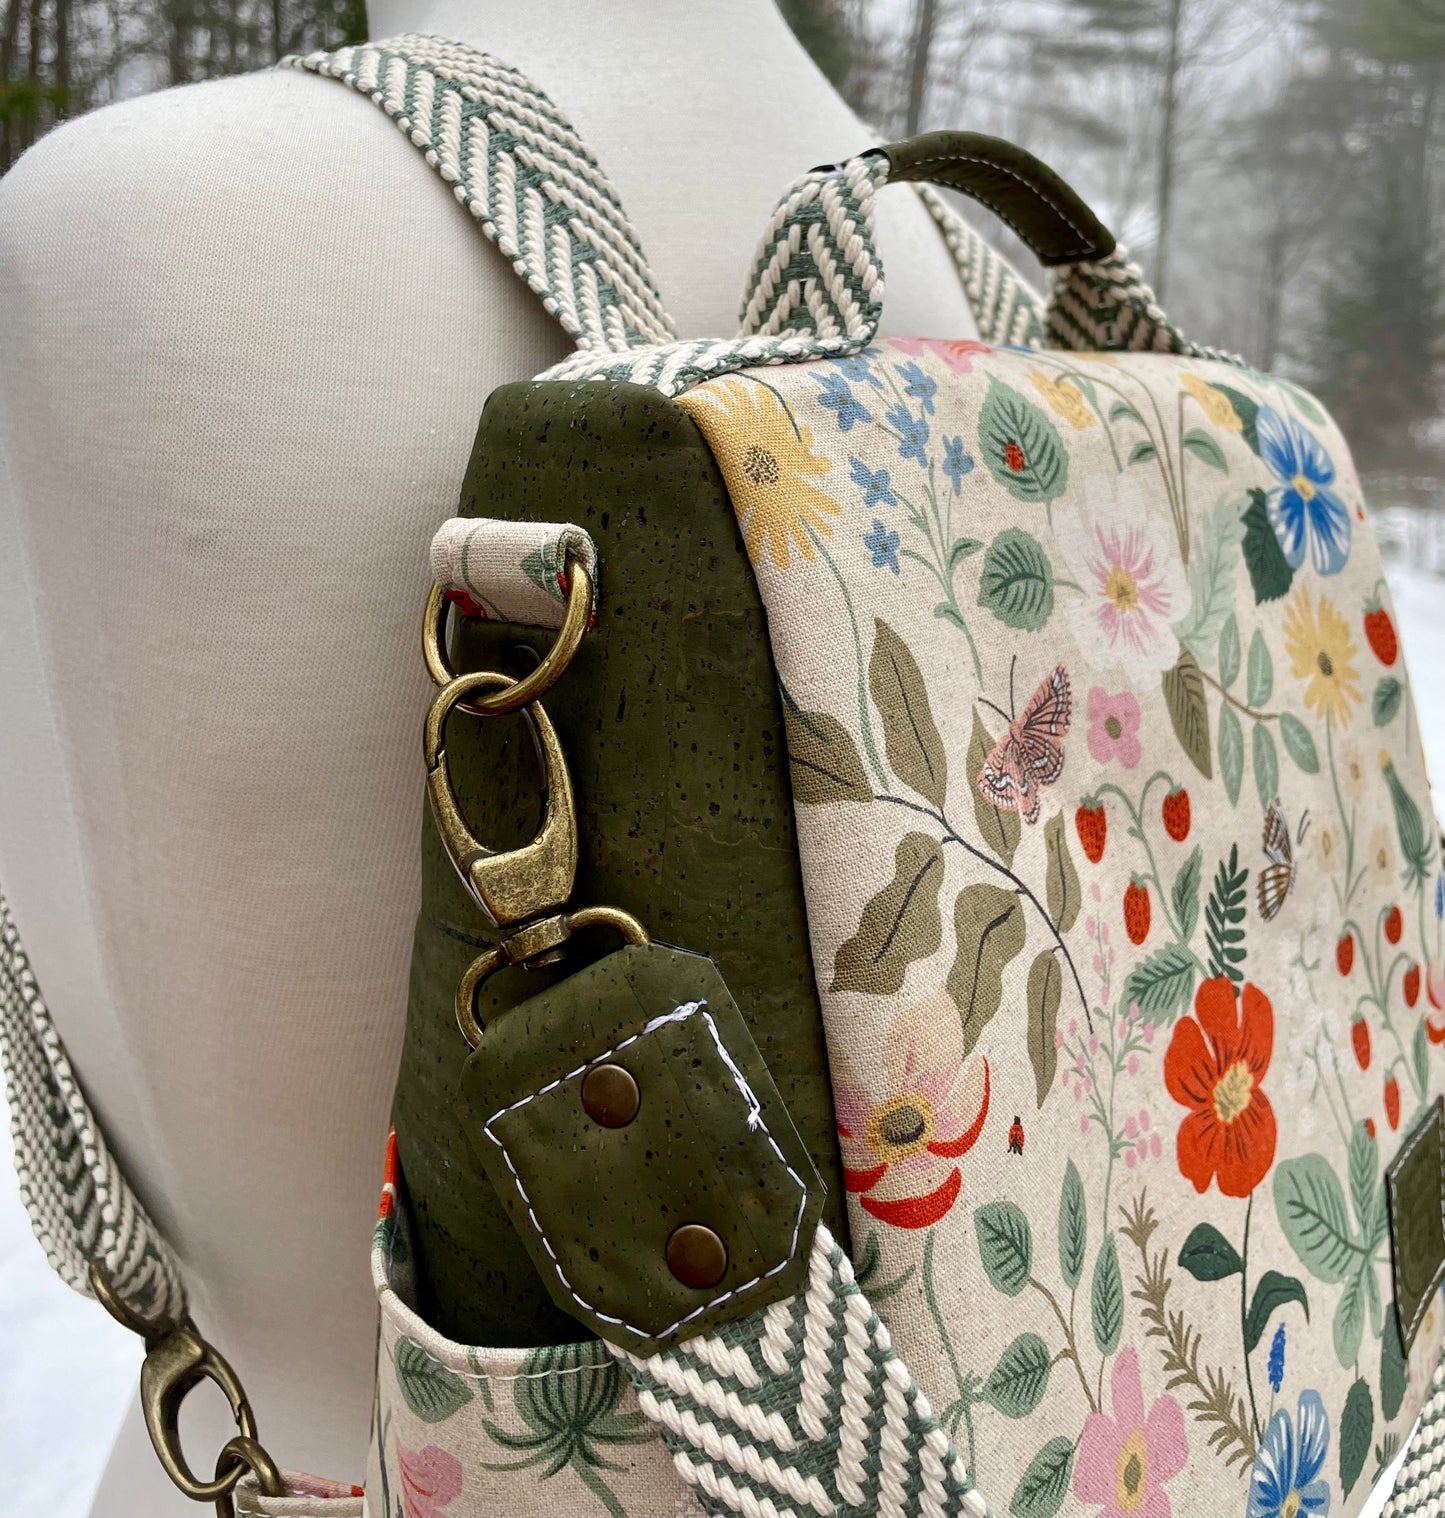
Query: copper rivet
[
  {"x": 610, "y": 1096},
  {"x": 696, "y": 1256}
]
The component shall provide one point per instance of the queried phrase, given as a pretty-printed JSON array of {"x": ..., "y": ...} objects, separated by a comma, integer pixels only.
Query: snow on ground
[{"x": 69, "y": 1372}]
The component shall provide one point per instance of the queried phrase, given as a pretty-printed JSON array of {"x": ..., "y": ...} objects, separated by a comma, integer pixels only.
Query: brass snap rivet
[
  {"x": 696, "y": 1256},
  {"x": 610, "y": 1096}
]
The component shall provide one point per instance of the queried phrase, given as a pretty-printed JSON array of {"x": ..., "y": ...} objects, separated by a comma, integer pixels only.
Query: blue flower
[
  {"x": 857, "y": 368},
  {"x": 1286, "y": 1480},
  {"x": 1304, "y": 512},
  {"x": 914, "y": 441},
  {"x": 919, "y": 386},
  {"x": 883, "y": 545},
  {"x": 1276, "y": 1360},
  {"x": 877, "y": 491},
  {"x": 837, "y": 396},
  {"x": 1440, "y": 894},
  {"x": 956, "y": 463}
]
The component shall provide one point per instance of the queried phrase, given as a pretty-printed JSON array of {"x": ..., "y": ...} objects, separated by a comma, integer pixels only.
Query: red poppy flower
[
  {"x": 1214, "y": 1066},
  {"x": 900, "y": 1143}
]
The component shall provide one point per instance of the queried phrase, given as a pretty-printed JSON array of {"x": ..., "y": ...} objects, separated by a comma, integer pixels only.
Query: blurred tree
[{"x": 826, "y": 29}]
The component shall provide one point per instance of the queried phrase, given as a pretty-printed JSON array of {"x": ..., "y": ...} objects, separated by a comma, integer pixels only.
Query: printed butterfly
[
  {"x": 1030, "y": 755},
  {"x": 1276, "y": 879}
]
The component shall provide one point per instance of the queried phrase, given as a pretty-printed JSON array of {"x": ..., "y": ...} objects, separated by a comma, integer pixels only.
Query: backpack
[{"x": 960, "y": 1037}]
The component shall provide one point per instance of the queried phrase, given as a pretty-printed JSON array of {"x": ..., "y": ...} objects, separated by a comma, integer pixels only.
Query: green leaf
[
  {"x": 1073, "y": 1227},
  {"x": 1357, "y": 1428},
  {"x": 1186, "y": 894},
  {"x": 1364, "y": 1169},
  {"x": 915, "y": 751},
  {"x": 1208, "y": 1256},
  {"x": 431, "y": 1391},
  {"x": 1349, "y": 1324},
  {"x": 964, "y": 548},
  {"x": 1266, "y": 766},
  {"x": 1310, "y": 1205},
  {"x": 1062, "y": 880},
  {"x": 1021, "y": 446},
  {"x": 1211, "y": 582},
  {"x": 1016, "y": 1385},
  {"x": 1162, "y": 984},
  {"x": 1005, "y": 1245},
  {"x": 1142, "y": 452},
  {"x": 1189, "y": 711},
  {"x": 1269, "y": 570},
  {"x": 1272, "y": 1292},
  {"x": 1229, "y": 654},
  {"x": 1246, "y": 409},
  {"x": 1231, "y": 753},
  {"x": 999, "y": 827},
  {"x": 899, "y": 925},
  {"x": 1298, "y": 743},
  {"x": 1122, "y": 409},
  {"x": 1106, "y": 1298},
  {"x": 1201, "y": 445},
  {"x": 1259, "y": 680},
  {"x": 1045, "y": 989},
  {"x": 823, "y": 759},
  {"x": 1045, "y": 1483},
  {"x": 989, "y": 922},
  {"x": 1302, "y": 398},
  {"x": 1386, "y": 700},
  {"x": 1223, "y": 916},
  {"x": 1420, "y": 1055},
  {"x": 1394, "y": 1375},
  {"x": 1017, "y": 583}
]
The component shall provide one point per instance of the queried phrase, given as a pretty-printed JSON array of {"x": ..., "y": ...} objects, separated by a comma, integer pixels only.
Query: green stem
[
  {"x": 931, "y": 1298},
  {"x": 1235, "y": 702},
  {"x": 864, "y": 721},
  {"x": 1071, "y": 1344},
  {"x": 1346, "y": 823},
  {"x": 1137, "y": 830},
  {"x": 1244, "y": 1314},
  {"x": 595, "y": 1484}
]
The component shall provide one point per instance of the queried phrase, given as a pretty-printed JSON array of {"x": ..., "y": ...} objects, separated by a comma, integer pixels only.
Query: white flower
[{"x": 1123, "y": 555}]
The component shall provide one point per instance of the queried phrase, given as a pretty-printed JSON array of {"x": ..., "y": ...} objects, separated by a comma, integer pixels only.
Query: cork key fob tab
[{"x": 639, "y": 1145}]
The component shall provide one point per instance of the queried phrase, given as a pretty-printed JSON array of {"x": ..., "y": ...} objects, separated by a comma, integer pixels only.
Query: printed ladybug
[
  {"x": 1392, "y": 1102},
  {"x": 1175, "y": 812},
  {"x": 1394, "y": 925},
  {"x": 1345, "y": 954},
  {"x": 1380, "y": 632},
  {"x": 1411, "y": 985},
  {"x": 1092, "y": 823},
  {"x": 1016, "y": 1136},
  {"x": 1137, "y": 912},
  {"x": 1360, "y": 1038},
  {"x": 1013, "y": 456}
]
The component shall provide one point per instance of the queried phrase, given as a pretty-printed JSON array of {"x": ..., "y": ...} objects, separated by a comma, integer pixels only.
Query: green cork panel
[
  {"x": 672, "y": 723},
  {"x": 709, "y": 1144}
]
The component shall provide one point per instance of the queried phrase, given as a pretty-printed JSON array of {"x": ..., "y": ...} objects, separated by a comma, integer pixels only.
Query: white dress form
[{"x": 232, "y": 316}]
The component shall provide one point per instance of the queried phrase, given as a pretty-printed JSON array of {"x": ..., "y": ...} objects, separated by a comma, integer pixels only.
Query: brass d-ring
[
  {"x": 514, "y": 951},
  {"x": 532, "y": 685}
]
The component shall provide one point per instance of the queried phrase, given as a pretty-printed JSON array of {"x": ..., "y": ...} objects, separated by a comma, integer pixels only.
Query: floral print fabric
[{"x": 1125, "y": 901}]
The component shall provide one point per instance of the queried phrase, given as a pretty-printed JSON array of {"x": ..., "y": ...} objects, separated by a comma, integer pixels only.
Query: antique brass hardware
[
  {"x": 610, "y": 1096},
  {"x": 177, "y": 1360},
  {"x": 696, "y": 1256}
]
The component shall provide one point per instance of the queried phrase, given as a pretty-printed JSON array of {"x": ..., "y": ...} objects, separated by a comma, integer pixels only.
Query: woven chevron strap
[
  {"x": 517, "y": 165},
  {"x": 1420, "y": 1487},
  {"x": 804, "y": 1408},
  {"x": 79, "y": 1203}
]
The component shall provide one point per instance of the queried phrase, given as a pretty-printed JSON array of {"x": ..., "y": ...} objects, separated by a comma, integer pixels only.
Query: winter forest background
[{"x": 1277, "y": 166}]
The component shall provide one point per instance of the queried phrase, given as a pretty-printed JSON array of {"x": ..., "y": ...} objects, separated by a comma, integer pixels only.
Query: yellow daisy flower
[
  {"x": 1322, "y": 654},
  {"x": 1352, "y": 773},
  {"x": 767, "y": 461},
  {"x": 1065, "y": 399},
  {"x": 1215, "y": 404}
]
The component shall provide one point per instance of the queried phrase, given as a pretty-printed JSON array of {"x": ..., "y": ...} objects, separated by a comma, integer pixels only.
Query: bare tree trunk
[
  {"x": 64, "y": 106},
  {"x": 1167, "y": 145},
  {"x": 922, "y": 47},
  {"x": 1271, "y": 295},
  {"x": 9, "y": 32},
  {"x": 32, "y": 76},
  {"x": 278, "y": 41}
]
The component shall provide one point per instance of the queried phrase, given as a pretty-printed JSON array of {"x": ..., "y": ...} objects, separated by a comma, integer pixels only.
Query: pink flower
[
  {"x": 1124, "y": 1460},
  {"x": 958, "y": 354},
  {"x": 430, "y": 1479},
  {"x": 1114, "y": 727}
]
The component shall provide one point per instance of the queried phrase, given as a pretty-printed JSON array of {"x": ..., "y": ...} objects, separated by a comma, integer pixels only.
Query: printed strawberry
[
  {"x": 1434, "y": 1034},
  {"x": 1411, "y": 985},
  {"x": 1435, "y": 986},
  {"x": 1392, "y": 1102},
  {"x": 1370, "y": 1126},
  {"x": 1360, "y": 1038},
  {"x": 1175, "y": 811},
  {"x": 1092, "y": 823},
  {"x": 1136, "y": 912},
  {"x": 1394, "y": 925},
  {"x": 1345, "y": 954},
  {"x": 1380, "y": 631}
]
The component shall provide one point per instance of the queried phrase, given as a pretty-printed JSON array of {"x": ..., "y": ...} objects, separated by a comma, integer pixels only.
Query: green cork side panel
[{"x": 671, "y": 720}]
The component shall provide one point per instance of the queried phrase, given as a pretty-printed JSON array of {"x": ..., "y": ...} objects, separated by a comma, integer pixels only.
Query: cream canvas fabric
[{"x": 1125, "y": 905}]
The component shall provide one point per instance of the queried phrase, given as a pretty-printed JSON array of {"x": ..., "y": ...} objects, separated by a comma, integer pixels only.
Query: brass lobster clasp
[{"x": 523, "y": 884}]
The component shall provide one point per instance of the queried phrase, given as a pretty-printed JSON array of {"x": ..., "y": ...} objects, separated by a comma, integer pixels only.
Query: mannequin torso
[{"x": 231, "y": 315}]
